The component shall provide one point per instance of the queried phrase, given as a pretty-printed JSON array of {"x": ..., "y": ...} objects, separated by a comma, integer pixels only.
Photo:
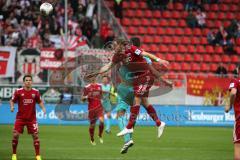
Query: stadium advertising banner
[
  {"x": 7, "y": 61},
  {"x": 172, "y": 115},
  {"x": 207, "y": 90}
]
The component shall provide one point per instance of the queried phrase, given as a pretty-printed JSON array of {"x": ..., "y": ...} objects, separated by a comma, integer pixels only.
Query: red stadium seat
[
  {"x": 143, "y": 5},
  {"x": 175, "y": 66},
  {"x": 147, "y": 39},
  {"x": 218, "y": 23},
  {"x": 179, "y": 57},
  {"x": 195, "y": 40},
  {"x": 182, "y": 23},
  {"x": 169, "y": 57},
  {"x": 182, "y": 49},
  {"x": 203, "y": 41},
  {"x": 154, "y": 48},
  {"x": 136, "y": 22},
  {"x": 173, "y": 49},
  {"x": 151, "y": 30},
  {"x": 231, "y": 67},
  {"x": 230, "y": 16},
  {"x": 170, "y": 6},
  {"x": 221, "y": 15},
  {"x": 204, "y": 67},
  {"x": 197, "y": 57},
  {"x": 207, "y": 58},
  {"x": 157, "y": 39},
  {"x": 188, "y": 57},
  {"x": 146, "y": 47},
  {"x": 126, "y": 22},
  {"x": 210, "y": 50},
  {"x": 235, "y": 59},
  {"x": 207, "y": 7},
  {"x": 234, "y": 7},
  {"x": 163, "y": 23},
  {"x": 214, "y": 7},
  {"x": 133, "y": 5},
  {"x": 216, "y": 58},
  {"x": 154, "y": 22},
  {"x": 132, "y": 30},
  {"x": 206, "y": 31},
  {"x": 219, "y": 50},
  {"x": 223, "y": 7},
  {"x": 163, "y": 49},
  {"x": 197, "y": 32},
  {"x": 226, "y": 59},
  {"x": 160, "y": 31},
  {"x": 173, "y": 23},
  {"x": 238, "y": 41},
  {"x": 213, "y": 67},
  {"x": 126, "y": 5},
  {"x": 200, "y": 49},
  {"x": 175, "y": 40},
  {"x": 148, "y": 14},
  {"x": 188, "y": 31},
  {"x": 169, "y": 31},
  {"x": 176, "y": 14},
  {"x": 142, "y": 30},
  {"x": 166, "y": 14},
  {"x": 178, "y": 6},
  {"x": 179, "y": 31},
  {"x": 145, "y": 22},
  {"x": 191, "y": 49},
  {"x": 139, "y": 13},
  {"x": 167, "y": 40},
  {"x": 185, "y": 66},
  {"x": 238, "y": 50},
  {"x": 212, "y": 15},
  {"x": 185, "y": 40},
  {"x": 157, "y": 14},
  {"x": 195, "y": 67},
  {"x": 129, "y": 13}
]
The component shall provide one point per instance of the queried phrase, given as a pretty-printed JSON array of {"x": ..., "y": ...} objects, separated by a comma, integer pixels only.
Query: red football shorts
[
  {"x": 236, "y": 132},
  {"x": 32, "y": 126},
  {"x": 94, "y": 114},
  {"x": 141, "y": 85}
]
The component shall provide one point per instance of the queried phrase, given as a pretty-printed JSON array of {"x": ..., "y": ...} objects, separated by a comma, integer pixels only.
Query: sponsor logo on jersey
[
  {"x": 27, "y": 101},
  {"x": 22, "y": 94}
]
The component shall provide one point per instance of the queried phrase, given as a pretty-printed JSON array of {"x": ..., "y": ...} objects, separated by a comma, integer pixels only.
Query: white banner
[{"x": 7, "y": 61}]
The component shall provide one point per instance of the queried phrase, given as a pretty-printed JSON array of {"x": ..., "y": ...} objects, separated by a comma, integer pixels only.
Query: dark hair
[
  {"x": 136, "y": 41},
  {"x": 27, "y": 75},
  {"x": 105, "y": 76}
]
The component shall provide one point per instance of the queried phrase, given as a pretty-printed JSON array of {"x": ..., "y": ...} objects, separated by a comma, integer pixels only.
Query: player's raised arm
[
  {"x": 155, "y": 58},
  {"x": 233, "y": 92},
  {"x": 103, "y": 70}
]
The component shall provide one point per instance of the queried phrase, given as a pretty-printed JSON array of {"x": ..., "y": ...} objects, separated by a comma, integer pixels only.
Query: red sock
[
  {"x": 14, "y": 146},
  {"x": 101, "y": 127},
  {"x": 36, "y": 144},
  {"x": 91, "y": 133},
  {"x": 152, "y": 112},
  {"x": 133, "y": 116}
]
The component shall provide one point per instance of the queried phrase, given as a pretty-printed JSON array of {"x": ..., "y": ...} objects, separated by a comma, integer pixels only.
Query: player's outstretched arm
[
  {"x": 155, "y": 58},
  {"x": 42, "y": 107},
  {"x": 104, "y": 69},
  {"x": 11, "y": 105},
  {"x": 233, "y": 93}
]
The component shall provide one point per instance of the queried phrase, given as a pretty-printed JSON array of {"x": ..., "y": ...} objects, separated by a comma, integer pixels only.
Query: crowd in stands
[{"x": 21, "y": 24}]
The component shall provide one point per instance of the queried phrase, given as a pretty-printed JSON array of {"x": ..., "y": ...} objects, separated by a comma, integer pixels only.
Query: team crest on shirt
[
  {"x": 33, "y": 95},
  {"x": 22, "y": 94}
]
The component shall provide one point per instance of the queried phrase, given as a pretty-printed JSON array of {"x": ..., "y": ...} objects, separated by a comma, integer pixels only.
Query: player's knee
[
  {"x": 15, "y": 135},
  {"x": 35, "y": 136}
]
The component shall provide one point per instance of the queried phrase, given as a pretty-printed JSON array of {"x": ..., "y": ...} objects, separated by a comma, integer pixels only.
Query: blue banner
[{"x": 172, "y": 115}]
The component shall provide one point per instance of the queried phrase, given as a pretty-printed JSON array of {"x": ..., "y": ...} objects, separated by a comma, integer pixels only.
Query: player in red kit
[
  {"x": 234, "y": 88},
  {"x": 132, "y": 58},
  {"x": 26, "y": 97},
  {"x": 93, "y": 93}
]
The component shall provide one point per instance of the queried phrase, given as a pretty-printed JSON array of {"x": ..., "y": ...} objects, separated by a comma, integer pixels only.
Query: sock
[
  {"x": 108, "y": 124},
  {"x": 101, "y": 127},
  {"x": 122, "y": 122},
  {"x": 14, "y": 146},
  {"x": 36, "y": 144},
  {"x": 133, "y": 116},
  {"x": 152, "y": 112},
  {"x": 91, "y": 133}
]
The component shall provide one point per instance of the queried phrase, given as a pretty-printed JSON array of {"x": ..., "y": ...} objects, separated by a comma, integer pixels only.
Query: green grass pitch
[{"x": 72, "y": 143}]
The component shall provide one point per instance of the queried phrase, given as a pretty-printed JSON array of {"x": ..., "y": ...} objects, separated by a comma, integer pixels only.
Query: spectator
[
  {"x": 110, "y": 37},
  {"x": 97, "y": 41},
  {"x": 95, "y": 24},
  {"x": 66, "y": 96},
  {"x": 221, "y": 71},
  {"x": 118, "y": 8},
  {"x": 191, "y": 20},
  {"x": 189, "y": 4},
  {"x": 211, "y": 38},
  {"x": 201, "y": 18},
  {"x": 236, "y": 71},
  {"x": 91, "y": 9},
  {"x": 31, "y": 29},
  {"x": 232, "y": 29}
]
